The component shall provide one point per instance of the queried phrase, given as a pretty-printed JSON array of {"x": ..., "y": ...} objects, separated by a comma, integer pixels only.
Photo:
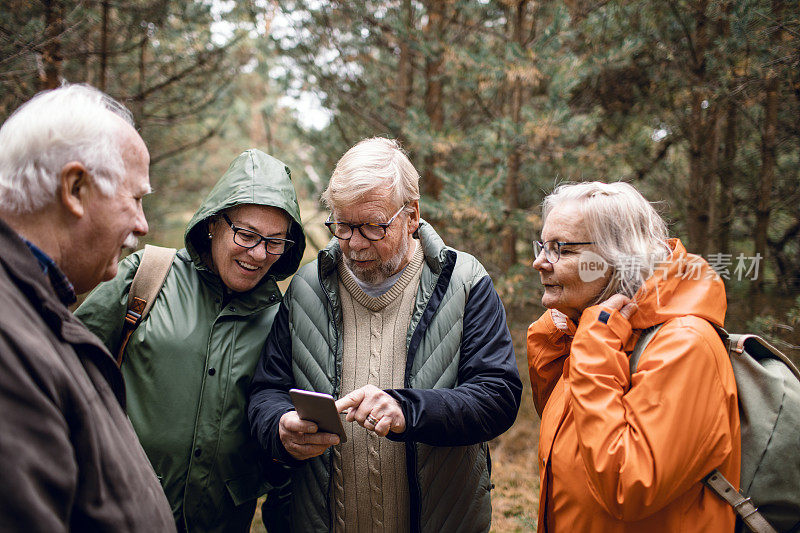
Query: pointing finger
[{"x": 351, "y": 400}]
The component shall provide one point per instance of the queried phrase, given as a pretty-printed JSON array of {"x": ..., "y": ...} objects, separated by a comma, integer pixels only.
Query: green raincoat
[{"x": 188, "y": 365}]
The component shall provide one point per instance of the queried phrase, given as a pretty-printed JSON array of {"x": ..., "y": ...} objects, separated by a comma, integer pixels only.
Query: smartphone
[{"x": 319, "y": 408}]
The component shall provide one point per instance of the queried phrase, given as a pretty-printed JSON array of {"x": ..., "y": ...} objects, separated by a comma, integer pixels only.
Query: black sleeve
[
  {"x": 268, "y": 396},
  {"x": 487, "y": 398}
]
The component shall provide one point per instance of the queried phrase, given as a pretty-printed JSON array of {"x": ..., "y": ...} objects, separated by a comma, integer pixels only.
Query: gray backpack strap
[
  {"x": 147, "y": 283},
  {"x": 644, "y": 339},
  {"x": 743, "y": 506},
  {"x": 736, "y": 343}
]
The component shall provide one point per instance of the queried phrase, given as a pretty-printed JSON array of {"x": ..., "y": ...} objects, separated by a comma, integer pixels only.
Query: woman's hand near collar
[
  {"x": 621, "y": 303},
  {"x": 561, "y": 321}
]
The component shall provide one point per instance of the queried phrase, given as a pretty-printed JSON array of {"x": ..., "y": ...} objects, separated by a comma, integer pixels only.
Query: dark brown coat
[{"x": 69, "y": 459}]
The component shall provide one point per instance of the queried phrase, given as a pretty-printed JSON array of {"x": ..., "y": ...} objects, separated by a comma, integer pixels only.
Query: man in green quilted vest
[{"x": 411, "y": 337}]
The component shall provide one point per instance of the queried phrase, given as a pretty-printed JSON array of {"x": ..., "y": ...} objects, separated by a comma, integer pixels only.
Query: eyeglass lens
[
  {"x": 248, "y": 239},
  {"x": 552, "y": 251},
  {"x": 370, "y": 232}
]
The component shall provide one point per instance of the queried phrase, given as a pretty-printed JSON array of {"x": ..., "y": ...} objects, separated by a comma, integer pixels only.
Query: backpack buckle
[
  {"x": 135, "y": 311},
  {"x": 746, "y": 511}
]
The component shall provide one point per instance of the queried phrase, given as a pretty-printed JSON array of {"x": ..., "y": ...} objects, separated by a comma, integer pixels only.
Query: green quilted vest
[{"x": 449, "y": 486}]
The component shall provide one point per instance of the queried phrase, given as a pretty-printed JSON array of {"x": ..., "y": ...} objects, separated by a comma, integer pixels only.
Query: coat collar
[{"x": 24, "y": 271}]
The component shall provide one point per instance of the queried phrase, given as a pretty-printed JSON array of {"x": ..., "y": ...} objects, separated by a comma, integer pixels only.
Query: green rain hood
[{"x": 253, "y": 178}]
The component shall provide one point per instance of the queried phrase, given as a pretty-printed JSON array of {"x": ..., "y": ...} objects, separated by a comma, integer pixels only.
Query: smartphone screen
[{"x": 319, "y": 408}]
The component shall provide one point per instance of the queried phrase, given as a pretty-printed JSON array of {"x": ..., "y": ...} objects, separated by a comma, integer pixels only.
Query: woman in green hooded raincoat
[{"x": 189, "y": 363}]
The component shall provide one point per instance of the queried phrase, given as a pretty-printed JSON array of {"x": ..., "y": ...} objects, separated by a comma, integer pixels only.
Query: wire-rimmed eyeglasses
[
  {"x": 250, "y": 239},
  {"x": 552, "y": 249},
  {"x": 372, "y": 231}
]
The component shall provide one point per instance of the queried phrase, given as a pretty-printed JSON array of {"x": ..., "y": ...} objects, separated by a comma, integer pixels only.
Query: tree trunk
[
  {"x": 138, "y": 110},
  {"x": 702, "y": 134},
  {"x": 267, "y": 121},
  {"x": 766, "y": 175},
  {"x": 431, "y": 183},
  {"x": 101, "y": 79},
  {"x": 726, "y": 180},
  {"x": 511, "y": 189},
  {"x": 405, "y": 67},
  {"x": 50, "y": 78},
  {"x": 726, "y": 168},
  {"x": 702, "y": 171}
]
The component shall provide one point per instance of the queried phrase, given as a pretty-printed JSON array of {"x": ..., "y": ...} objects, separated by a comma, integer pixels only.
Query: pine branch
[
  {"x": 186, "y": 146},
  {"x": 646, "y": 169}
]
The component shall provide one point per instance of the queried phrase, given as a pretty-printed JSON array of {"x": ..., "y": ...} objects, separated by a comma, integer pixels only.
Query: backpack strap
[
  {"x": 644, "y": 339},
  {"x": 743, "y": 506},
  {"x": 757, "y": 347},
  {"x": 147, "y": 283}
]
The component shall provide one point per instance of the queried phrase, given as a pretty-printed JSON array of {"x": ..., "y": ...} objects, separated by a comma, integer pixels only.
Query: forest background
[{"x": 695, "y": 102}]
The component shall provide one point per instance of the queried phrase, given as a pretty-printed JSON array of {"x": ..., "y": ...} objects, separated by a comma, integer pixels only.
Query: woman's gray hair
[
  {"x": 372, "y": 163},
  {"x": 628, "y": 232},
  {"x": 55, "y": 127}
]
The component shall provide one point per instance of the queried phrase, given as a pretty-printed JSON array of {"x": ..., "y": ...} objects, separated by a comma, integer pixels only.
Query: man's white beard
[{"x": 382, "y": 271}]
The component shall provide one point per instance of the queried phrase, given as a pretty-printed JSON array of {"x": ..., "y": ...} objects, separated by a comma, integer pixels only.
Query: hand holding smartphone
[{"x": 319, "y": 408}]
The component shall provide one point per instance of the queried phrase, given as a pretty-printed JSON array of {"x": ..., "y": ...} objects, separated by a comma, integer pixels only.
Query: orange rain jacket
[{"x": 622, "y": 454}]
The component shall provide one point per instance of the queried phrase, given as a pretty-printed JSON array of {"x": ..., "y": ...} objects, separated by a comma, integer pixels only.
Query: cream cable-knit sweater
[{"x": 370, "y": 489}]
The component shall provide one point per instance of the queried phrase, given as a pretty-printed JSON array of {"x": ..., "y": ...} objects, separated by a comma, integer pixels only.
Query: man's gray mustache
[
  {"x": 131, "y": 242},
  {"x": 357, "y": 257}
]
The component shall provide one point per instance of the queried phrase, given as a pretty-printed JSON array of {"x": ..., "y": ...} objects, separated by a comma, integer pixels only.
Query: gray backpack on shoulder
[{"x": 768, "y": 386}]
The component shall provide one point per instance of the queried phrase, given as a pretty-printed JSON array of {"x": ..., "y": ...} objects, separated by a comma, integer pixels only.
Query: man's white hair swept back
[
  {"x": 372, "y": 164},
  {"x": 55, "y": 127}
]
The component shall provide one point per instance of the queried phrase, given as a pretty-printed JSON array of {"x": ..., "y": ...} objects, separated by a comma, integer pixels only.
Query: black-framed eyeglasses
[
  {"x": 372, "y": 231},
  {"x": 552, "y": 249},
  {"x": 250, "y": 239}
]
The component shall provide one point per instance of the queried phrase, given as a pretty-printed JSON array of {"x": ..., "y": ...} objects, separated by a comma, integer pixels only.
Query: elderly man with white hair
[
  {"x": 411, "y": 337},
  {"x": 73, "y": 172}
]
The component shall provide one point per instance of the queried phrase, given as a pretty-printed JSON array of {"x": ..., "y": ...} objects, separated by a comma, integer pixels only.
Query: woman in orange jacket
[{"x": 620, "y": 452}]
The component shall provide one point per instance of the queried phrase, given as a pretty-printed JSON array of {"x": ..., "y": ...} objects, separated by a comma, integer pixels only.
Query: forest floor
[{"x": 515, "y": 498}]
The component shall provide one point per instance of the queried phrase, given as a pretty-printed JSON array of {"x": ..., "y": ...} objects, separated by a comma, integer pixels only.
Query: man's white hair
[
  {"x": 628, "y": 232},
  {"x": 371, "y": 164},
  {"x": 55, "y": 127}
]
